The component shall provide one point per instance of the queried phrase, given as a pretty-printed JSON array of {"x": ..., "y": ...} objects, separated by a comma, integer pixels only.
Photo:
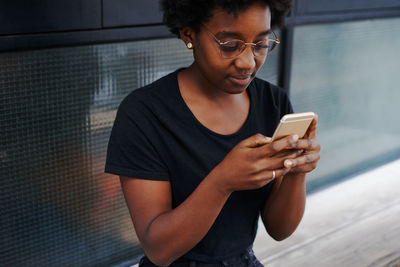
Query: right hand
[{"x": 250, "y": 165}]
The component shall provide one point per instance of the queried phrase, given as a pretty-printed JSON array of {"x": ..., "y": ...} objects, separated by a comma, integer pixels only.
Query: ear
[{"x": 187, "y": 35}]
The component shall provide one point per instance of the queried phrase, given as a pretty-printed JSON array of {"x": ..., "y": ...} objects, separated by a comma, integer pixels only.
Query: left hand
[{"x": 307, "y": 161}]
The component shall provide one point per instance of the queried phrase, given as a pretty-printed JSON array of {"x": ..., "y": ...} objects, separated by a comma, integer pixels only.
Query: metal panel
[
  {"x": 329, "y": 6},
  {"x": 343, "y": 16},
  {"x": 46, "y": 40},
  {"x": 79, "y": 22},
  {"x": 127, "y": 13},
  {"x": 26, "y": 16}
]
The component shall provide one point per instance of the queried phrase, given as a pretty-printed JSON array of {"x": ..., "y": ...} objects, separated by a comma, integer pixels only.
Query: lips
[{"x": 240, "y": 79}]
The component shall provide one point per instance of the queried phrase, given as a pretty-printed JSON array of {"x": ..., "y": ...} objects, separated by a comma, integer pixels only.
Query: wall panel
[
  {"x": 26, "y": 16},
  {"x": 129, "y": 13},
  {"x": 346, "y": 74},
  {"x": 328, "y": 6}
]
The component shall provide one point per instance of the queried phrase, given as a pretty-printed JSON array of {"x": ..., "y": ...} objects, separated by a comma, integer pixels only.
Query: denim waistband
[{"x": 245, "y": 259}]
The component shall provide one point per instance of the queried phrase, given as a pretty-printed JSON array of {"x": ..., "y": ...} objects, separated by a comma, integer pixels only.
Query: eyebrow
[{"x": 238, "y": 35}]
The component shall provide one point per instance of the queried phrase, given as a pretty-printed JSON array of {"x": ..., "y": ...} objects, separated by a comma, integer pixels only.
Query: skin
[{"x": 214, "y": 89}]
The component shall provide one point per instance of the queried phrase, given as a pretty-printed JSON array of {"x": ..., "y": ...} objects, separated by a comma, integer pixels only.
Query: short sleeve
[{"x": 131, "y": 149}]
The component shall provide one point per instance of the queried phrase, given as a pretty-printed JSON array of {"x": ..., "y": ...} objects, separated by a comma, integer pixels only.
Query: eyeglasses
[{"x": 233, "y": 48}]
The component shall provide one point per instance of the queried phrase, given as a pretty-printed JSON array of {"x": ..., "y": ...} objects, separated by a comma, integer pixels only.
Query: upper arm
[{"x": 146, "y": 200}]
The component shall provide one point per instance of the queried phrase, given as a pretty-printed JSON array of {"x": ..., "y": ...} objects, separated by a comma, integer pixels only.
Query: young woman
[{"x": 192, "y": 149}]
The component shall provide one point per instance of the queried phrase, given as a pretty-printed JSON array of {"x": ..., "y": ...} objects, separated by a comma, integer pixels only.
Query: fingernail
[
  {"x": 295, "y": 138},
  {"x": 288, "y": 163},
  {"x": 268, "y": 139}
]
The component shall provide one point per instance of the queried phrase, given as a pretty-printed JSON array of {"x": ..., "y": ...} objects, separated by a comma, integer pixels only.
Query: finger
[
  {"x": 256, "y": 141},
  {"x": 266, "y": 163},
  {"x": 302, "y": 160},
  {"x": 276, "y": 146},
  {"x": 289, "y": 154},
  {"x": 278, "y": 172},
  {"x": 312, "y": 130},
  {"x": 304, "y": 168},
  {"x": 306, "y": 144},
  {"x": 268, "y": 175}
]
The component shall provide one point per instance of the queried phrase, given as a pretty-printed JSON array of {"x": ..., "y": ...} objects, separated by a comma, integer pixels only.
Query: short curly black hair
[{"x": 191, "y": 13}]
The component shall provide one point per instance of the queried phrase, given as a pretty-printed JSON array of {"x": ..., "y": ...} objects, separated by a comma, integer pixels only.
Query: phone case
[{"x": 291, "y": 124}]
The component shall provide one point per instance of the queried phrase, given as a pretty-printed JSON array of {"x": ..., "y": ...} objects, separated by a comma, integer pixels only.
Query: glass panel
[
  {"x": 57, "y": 107},
  {"x": 348, "y": 73}
]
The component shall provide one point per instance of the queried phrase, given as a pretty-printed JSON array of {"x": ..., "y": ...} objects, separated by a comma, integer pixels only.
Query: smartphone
[{"x": 291, "y": 124}]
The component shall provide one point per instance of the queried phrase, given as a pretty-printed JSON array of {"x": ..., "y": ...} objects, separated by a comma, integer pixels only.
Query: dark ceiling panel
[
  {"x": 32, "y": 16},
  {"x": 46, "y": 40},
  {"x": 117, "y": 13}
]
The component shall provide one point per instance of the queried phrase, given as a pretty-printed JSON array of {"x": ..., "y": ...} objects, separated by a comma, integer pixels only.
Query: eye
[
  {"x": 230, "y": 46},
  {"x": 263, "y": 45}
]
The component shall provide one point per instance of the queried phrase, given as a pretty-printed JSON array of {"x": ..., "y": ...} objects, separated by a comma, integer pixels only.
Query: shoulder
[
  {"x": 156, "y": 101},
  {"x": 152, "y": 94}
]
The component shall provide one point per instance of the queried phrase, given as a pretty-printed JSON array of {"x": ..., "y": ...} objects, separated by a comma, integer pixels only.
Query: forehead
[{"x": 255, "y": 18}]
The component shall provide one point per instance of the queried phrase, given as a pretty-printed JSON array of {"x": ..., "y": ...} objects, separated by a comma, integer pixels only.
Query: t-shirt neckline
[{"x": 200, "y": 125}]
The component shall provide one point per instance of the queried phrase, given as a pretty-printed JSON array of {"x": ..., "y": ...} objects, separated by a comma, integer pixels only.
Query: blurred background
[{"x": 66, "y": 65}]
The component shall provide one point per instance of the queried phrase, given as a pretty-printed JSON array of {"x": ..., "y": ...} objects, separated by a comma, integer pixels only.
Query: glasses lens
[
  {"x": 273, "y": 41},
  {"x": 231, "y": 49},
  {"x": 262, "y": 48}
]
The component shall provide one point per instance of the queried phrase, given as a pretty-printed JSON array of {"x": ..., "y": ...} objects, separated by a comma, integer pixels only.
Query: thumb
[
  {"x": 255, "y": 141},
  {"x": 312, "y": 129}
]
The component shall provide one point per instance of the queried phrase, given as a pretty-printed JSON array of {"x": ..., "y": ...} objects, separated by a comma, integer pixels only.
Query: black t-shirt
[{"x": 155, "y": 136}]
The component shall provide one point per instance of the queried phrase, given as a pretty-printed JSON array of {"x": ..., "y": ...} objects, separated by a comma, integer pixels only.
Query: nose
[{"x": 246, "y": 59}]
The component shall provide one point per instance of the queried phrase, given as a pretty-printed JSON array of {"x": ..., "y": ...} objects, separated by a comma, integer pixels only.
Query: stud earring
[{"x": 189, "y": 45}]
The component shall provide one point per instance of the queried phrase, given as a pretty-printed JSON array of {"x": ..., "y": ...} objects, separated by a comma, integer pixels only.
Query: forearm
[
  {"x": 285, "y": 207},
  {"x": 174, "y": 233}
]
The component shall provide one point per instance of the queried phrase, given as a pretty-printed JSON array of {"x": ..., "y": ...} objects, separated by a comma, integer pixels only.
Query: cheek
[
  {"x": 205, "y": 52},
  {"x": 210, "y": 61}
]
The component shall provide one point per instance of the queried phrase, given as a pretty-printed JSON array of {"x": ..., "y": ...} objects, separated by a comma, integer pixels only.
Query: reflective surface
[
  {"x": 57, "y": 107},
  {"x": 348, "y": 73}
]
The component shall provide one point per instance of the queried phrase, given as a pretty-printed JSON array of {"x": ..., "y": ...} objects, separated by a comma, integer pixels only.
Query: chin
[{"x": 236, "y": 89}]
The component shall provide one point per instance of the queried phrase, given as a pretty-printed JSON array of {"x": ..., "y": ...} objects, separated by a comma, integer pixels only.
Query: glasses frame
[{"x": 244, "y": 44}]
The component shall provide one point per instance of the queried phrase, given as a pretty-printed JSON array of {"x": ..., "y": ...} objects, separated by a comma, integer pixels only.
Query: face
[{"x": 231, "y": 75}]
